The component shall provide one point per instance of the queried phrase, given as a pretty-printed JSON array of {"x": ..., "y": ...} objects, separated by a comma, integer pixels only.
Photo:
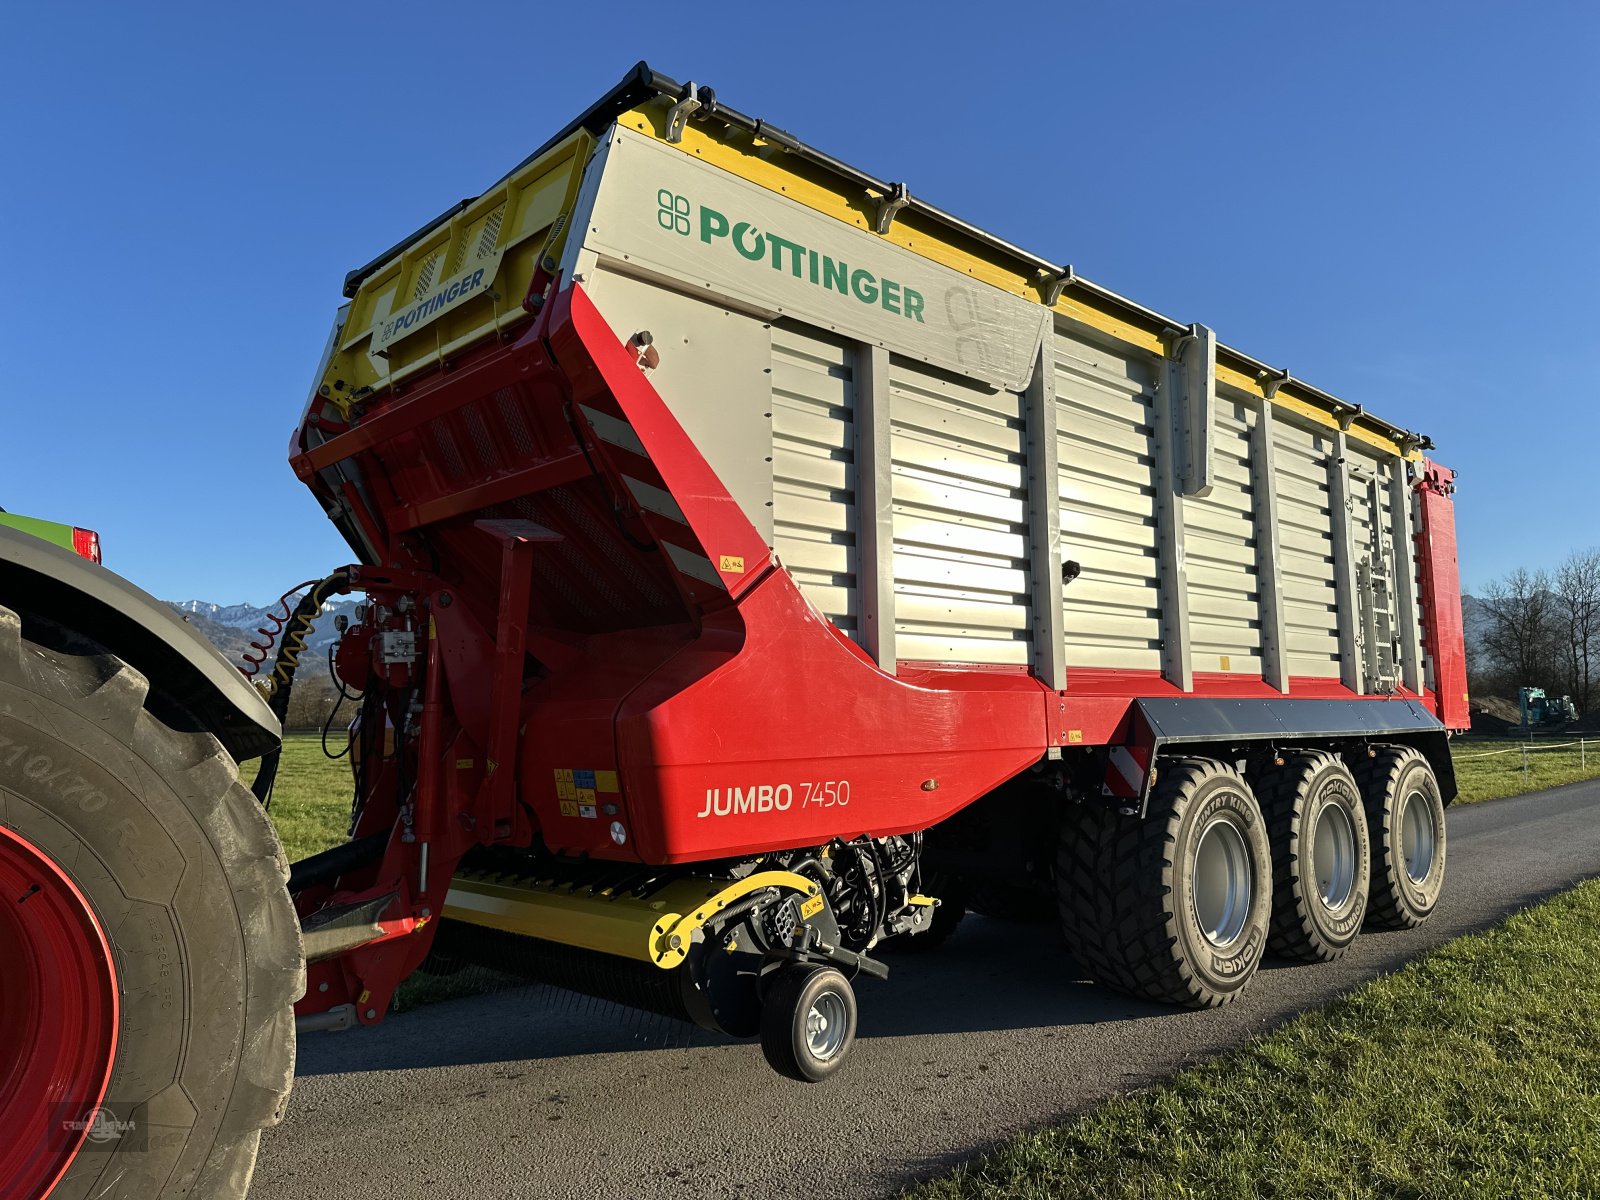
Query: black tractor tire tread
[
  {"x": 1116, "y": 923},
  {"x": 1281, "y": 792},
  {"x": 69, "y": 682}
]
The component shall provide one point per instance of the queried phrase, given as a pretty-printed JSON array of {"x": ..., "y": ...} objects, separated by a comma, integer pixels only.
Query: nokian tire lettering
[
  {"x": 184, "y": 872},
  {"x": 1127, "y": 887}
]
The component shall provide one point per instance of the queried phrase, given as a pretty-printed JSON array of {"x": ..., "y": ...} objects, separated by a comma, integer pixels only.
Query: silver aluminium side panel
[
  {"x": 1105, "y": 420},
  {"x": 666, "y": 214},
  {"x": 924, "y": 469},
  {"x": 1224, "y": 592},
  {"x": 1305, "y": 547},
  {"x": 713, "y": 371},
  {"x": 961, "y": 584},
  {"x": 814, "y": 522}
]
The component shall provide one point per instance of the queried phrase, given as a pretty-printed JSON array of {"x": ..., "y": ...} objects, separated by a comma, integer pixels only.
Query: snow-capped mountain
[
  {"x": 232, "y": 627},
  {"x": 236, "y": 616}
]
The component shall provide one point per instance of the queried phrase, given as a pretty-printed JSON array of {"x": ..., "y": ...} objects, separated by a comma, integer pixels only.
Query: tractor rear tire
[
  {"x": 1317, "y": 828},
  {"x": 1405, "y": 814},
  {"x": 1173, "y": 907},
  {"x": 182, "y": 920}
]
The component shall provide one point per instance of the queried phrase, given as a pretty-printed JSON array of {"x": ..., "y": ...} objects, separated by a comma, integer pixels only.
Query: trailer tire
[
  {"x": 1405, "y": 813},
  {"x": 1152, "y": 906},
  {"x": 176, "y": 868},
  {"x": 1321, "y": 866},
  {"x": 808, "y": 1021}
]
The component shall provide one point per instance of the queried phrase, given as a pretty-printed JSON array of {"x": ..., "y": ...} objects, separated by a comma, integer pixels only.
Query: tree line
[{"x": 1541, "y": 629}]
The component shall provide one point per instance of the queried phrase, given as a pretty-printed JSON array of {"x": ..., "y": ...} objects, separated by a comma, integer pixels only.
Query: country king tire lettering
[{"x": 182, "y": 871}]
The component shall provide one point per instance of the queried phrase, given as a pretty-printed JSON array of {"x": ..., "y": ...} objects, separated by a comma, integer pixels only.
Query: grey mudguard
[
  {"x": 1190, "y": 720},
  {"x": 183, "y": 668}
]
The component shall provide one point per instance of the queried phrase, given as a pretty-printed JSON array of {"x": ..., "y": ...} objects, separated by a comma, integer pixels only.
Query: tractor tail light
[{"x": 87, "y": 543}]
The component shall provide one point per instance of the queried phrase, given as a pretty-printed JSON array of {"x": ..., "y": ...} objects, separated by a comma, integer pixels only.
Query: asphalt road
[{"x": 531, "y": 1093}]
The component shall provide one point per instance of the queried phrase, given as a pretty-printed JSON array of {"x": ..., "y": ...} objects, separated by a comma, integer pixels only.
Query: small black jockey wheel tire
[{"x": 808, "y": 1021}]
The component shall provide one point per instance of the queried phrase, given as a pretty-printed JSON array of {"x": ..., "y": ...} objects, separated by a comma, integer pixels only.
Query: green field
[
  {"x": 1473, "y": 1071},
  {"x": 1489, "y": 768},
  {"x": 311, "y": 798}
]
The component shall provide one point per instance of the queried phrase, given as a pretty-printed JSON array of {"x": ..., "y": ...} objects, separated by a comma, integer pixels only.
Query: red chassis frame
[{"x": 646, "y": 684}]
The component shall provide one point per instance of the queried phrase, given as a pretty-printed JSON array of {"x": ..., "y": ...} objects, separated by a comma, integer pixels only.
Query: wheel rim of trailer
[
  {"x": 1416, "y": 835},
  {"x": 1333, "y": 856},
  {"x": 1221, "y": 885},
  {"x": 825, "y": 1026},
  {"x": 58, "y": 1019}
]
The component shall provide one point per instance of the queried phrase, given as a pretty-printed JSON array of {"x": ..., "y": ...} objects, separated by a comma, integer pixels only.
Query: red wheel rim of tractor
[{"x": 58, "y": 1018}]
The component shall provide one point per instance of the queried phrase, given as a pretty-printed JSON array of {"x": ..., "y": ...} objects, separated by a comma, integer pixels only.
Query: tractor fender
[{"x": 43, "y": 580}]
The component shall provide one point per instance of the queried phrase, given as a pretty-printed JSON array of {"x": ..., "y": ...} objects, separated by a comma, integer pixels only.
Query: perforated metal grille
[
  {"x": 447, "y": 453},
  {"x": 482, "y": 440},
  {"x": 426, "y": 273},
  {"x": 604, "y": 540},
  {"x": 491, "y": 232},
  {"x": 516, "y": 422}
]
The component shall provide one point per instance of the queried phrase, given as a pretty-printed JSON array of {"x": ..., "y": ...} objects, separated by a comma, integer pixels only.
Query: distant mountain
[
  {"x": 239, "y": 616},
  {"x": 232, "y": 627},
  {"x": 1475, "y": 621}
]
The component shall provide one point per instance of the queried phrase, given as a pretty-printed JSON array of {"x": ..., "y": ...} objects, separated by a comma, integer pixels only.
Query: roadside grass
[
  {"x": 1474, "y": 1070},
  {"x": 1490, "y": 768}
]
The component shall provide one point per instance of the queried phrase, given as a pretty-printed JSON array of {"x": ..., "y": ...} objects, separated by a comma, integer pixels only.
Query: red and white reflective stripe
[{"x": 1126, "y": 770}]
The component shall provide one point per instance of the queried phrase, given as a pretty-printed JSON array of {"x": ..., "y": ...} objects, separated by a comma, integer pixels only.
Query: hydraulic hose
[{"x": 290, "y": 647}]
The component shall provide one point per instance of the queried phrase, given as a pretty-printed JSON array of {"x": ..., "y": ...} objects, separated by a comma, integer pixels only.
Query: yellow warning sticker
[
  {"x": 585, "y": 795},
  {"x": 1074, "y": 736},
  {"x": 732, "y": 563},
  {"x": 811, "y": 908},
  {"x": 463, "y": 764},
  {"x": 564, "y": 788},
  {"x": 569, "y": 808},
  {"x": 606, "y": 781},
  {"x": 1227, "y": 663}
]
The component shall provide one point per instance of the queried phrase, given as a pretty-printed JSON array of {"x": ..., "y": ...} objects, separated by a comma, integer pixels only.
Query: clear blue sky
[{"x": 1399, "y": 202}]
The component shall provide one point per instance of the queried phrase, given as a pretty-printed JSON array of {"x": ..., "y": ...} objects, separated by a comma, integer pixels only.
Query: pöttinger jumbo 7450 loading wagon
[{"x": 759, "y": 563}]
